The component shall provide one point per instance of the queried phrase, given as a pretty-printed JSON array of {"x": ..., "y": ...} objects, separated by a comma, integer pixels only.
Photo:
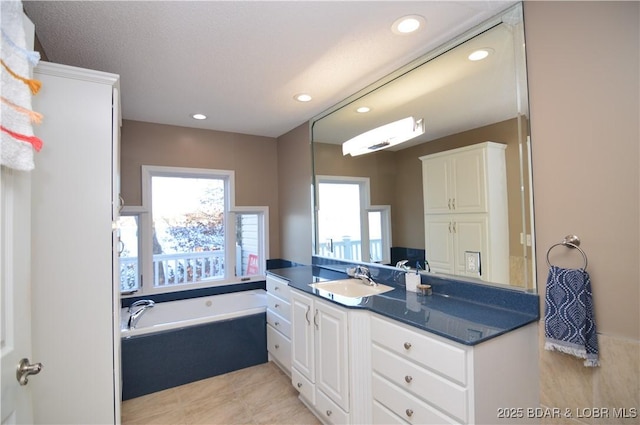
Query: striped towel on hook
[{"x": 569, "y": 322}]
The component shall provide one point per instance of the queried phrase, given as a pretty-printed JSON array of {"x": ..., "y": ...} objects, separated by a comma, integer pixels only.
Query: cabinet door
[
  {"x": 333, "y": 354},
  {"x": 436, "y": 185},
  {"x": 468, "y": 181},
  {"x": 439, "y": 243},
  {"x": 470, "y": 234},
  {"x": 302, "y": 335}
]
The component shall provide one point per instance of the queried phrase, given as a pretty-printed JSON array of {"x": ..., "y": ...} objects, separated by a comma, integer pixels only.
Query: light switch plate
[{"x": 472, "y": 262}]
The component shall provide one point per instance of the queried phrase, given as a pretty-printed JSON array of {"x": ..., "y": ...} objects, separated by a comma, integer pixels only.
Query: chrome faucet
[
  {"x": 136, "y": 315},
  {"x": 364, "y": 275}
]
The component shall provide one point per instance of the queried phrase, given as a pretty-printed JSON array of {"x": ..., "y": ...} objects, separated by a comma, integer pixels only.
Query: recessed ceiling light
[
  {"x": 478, "y": 55},
  {"x": 199, "y": 116},
  {"x": 302, "y": 97},
  {"x": 407, "y": 24},
  {"x": 363, "y": 109}
]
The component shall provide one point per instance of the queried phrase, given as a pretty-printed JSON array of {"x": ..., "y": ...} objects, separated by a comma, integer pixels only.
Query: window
[
  {"x": 190, "y": 233},
  {"x": 349, "y": 228}
]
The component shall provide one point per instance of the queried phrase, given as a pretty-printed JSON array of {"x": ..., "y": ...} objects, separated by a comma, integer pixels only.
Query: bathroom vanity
[{"x": 461, "y": 355}]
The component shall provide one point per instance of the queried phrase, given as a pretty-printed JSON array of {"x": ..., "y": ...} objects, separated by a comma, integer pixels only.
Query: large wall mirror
[{"x": 382, "y": 206}]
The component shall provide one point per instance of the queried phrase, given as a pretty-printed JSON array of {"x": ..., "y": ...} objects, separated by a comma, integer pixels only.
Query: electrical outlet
[{"x": 472, "y": 262}]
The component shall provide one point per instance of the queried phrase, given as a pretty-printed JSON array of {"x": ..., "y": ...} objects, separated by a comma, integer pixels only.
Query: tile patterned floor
[{"x": 256, "y": 395}]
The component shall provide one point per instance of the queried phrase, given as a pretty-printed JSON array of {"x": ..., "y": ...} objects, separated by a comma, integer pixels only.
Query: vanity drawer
[
  {"x": 303, "y": 385},
  {"x": 432, "y": 388},
  {"x": 329, "y": 411},
  {"x": 405, "y": 405},
  {"x": 279, "y": 347},
  {"x": 430, "y": 351},
  {"x": 278, "y": 287},
  {"x": 279, "y": 306},
  {"x": 383, "y": 416},
  {"x": 280, "y": 323}
]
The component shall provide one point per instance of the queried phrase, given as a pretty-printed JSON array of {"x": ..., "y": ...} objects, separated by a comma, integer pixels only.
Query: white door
[
  {"x": 15, "y": 320},
  {"x": 302, "y": 344},
  {"x": 333, "y": 353}
]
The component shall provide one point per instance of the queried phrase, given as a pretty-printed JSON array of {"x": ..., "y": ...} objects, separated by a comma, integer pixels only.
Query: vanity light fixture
[
  {"x": 384, "y": 137},
  {"x": 303, "y": 97},
  {"x": 407, "y": 24},
  {"x": 199, "y": 116},
  {"x": 478, "y": 55}
]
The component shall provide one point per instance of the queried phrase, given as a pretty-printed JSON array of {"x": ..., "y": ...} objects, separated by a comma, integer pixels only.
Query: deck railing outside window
[
  {"x": 347, "y": 249},
  {"x": 174, "y": 269}
]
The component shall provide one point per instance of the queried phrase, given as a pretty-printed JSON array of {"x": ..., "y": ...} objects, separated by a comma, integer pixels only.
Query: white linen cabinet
[
  {"x": 466, "y": 210},
  {"x": 75, "y": 272}
]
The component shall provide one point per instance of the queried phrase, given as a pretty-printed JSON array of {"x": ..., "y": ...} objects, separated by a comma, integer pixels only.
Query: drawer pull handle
[
  {"x": 328, "y": 412},
  {"x": 299, "y": 384},
  {"x": 408, "y": 379},
  {"x": 277, "y": 346},
  {"x": 409, "y": 412},
  {"x": 407, "y": 345}
]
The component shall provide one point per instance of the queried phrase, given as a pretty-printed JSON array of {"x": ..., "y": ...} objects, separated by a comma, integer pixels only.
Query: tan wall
[
  {"x": 584, "y": 87},
  {"x": 253, "y": 158},
  {"x": 294, "y": 192}
]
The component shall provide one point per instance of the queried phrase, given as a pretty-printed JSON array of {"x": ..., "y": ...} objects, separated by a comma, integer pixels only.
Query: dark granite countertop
[{"x": 460, "y": 311}]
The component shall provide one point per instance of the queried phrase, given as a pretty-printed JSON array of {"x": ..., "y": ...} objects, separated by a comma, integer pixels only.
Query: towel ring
[{"x": 570, "y": 241}]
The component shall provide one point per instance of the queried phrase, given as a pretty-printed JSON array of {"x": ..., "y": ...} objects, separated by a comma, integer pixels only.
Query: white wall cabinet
[
  {"x": 465, "y": 204},
  {"x": 75, "y": 272},
  {"x": 327, "y": 362},
  {"x": 279, "y": 322},
  {"x": 420, "y": 378}
]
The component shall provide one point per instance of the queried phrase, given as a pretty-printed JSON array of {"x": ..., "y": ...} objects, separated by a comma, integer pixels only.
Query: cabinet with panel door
[
  {"x": 327, "y": 362},
  {"x": 465, "y": 204}
]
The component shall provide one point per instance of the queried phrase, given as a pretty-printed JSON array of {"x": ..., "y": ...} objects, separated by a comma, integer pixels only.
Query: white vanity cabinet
[
  {"x": 465, "y": 204},
  {"x": 279, "y": 322},
  {"x": 421, "y": 378},
  {"x": 328, "y": 360}
]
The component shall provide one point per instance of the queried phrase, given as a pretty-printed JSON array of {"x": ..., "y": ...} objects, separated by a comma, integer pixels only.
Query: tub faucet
[
  {"x": 139, "y": 303},
  {"x": 364, "y": 275},
  {"x": 136, "y": 315}
]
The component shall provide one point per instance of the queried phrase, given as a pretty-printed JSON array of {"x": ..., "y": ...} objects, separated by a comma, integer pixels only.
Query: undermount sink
[{"x": 351, "y": 288}]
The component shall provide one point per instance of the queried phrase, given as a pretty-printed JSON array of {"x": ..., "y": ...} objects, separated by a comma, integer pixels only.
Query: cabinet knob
[
  {"x": 277, "y": 306},
  {"x": 408, "y": 379},
  {"x": 328, "y": 412},
  {"x": 407, "y": 345},
  {"x": 299, "y": 384},
  {"x": 277, "y": 346},
  {"x": 277, "y": 323},
  {"x": 409, "y": 412},
  {"x": 276, "y": 288}
]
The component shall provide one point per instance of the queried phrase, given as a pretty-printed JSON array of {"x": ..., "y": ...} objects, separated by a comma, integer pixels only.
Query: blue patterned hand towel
[{"x": 569, "y": 324}]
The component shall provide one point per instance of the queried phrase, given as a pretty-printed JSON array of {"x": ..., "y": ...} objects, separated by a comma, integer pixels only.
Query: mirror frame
[{"x": 506, "y": 16}]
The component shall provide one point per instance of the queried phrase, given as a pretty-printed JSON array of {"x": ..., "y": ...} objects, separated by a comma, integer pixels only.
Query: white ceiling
[{"x": 241, "y": 62}]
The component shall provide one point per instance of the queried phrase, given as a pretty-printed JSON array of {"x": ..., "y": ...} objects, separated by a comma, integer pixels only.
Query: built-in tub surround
[{"x": 178, "y": 342}]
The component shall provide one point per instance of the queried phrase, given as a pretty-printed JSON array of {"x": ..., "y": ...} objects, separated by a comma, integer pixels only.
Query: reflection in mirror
[{"x": 485, "y": 229}]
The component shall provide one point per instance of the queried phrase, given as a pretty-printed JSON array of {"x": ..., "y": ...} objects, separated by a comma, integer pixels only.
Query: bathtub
[
  {"x": 178, "y": 342},
  {"x": 195, "y": 311}
]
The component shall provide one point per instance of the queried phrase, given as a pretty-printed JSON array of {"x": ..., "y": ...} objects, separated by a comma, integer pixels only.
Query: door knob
[{"x": 25, "y": 369}]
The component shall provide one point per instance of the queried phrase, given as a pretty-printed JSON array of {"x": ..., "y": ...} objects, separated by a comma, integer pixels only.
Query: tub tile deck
[{"x": 256, "y": 395}]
